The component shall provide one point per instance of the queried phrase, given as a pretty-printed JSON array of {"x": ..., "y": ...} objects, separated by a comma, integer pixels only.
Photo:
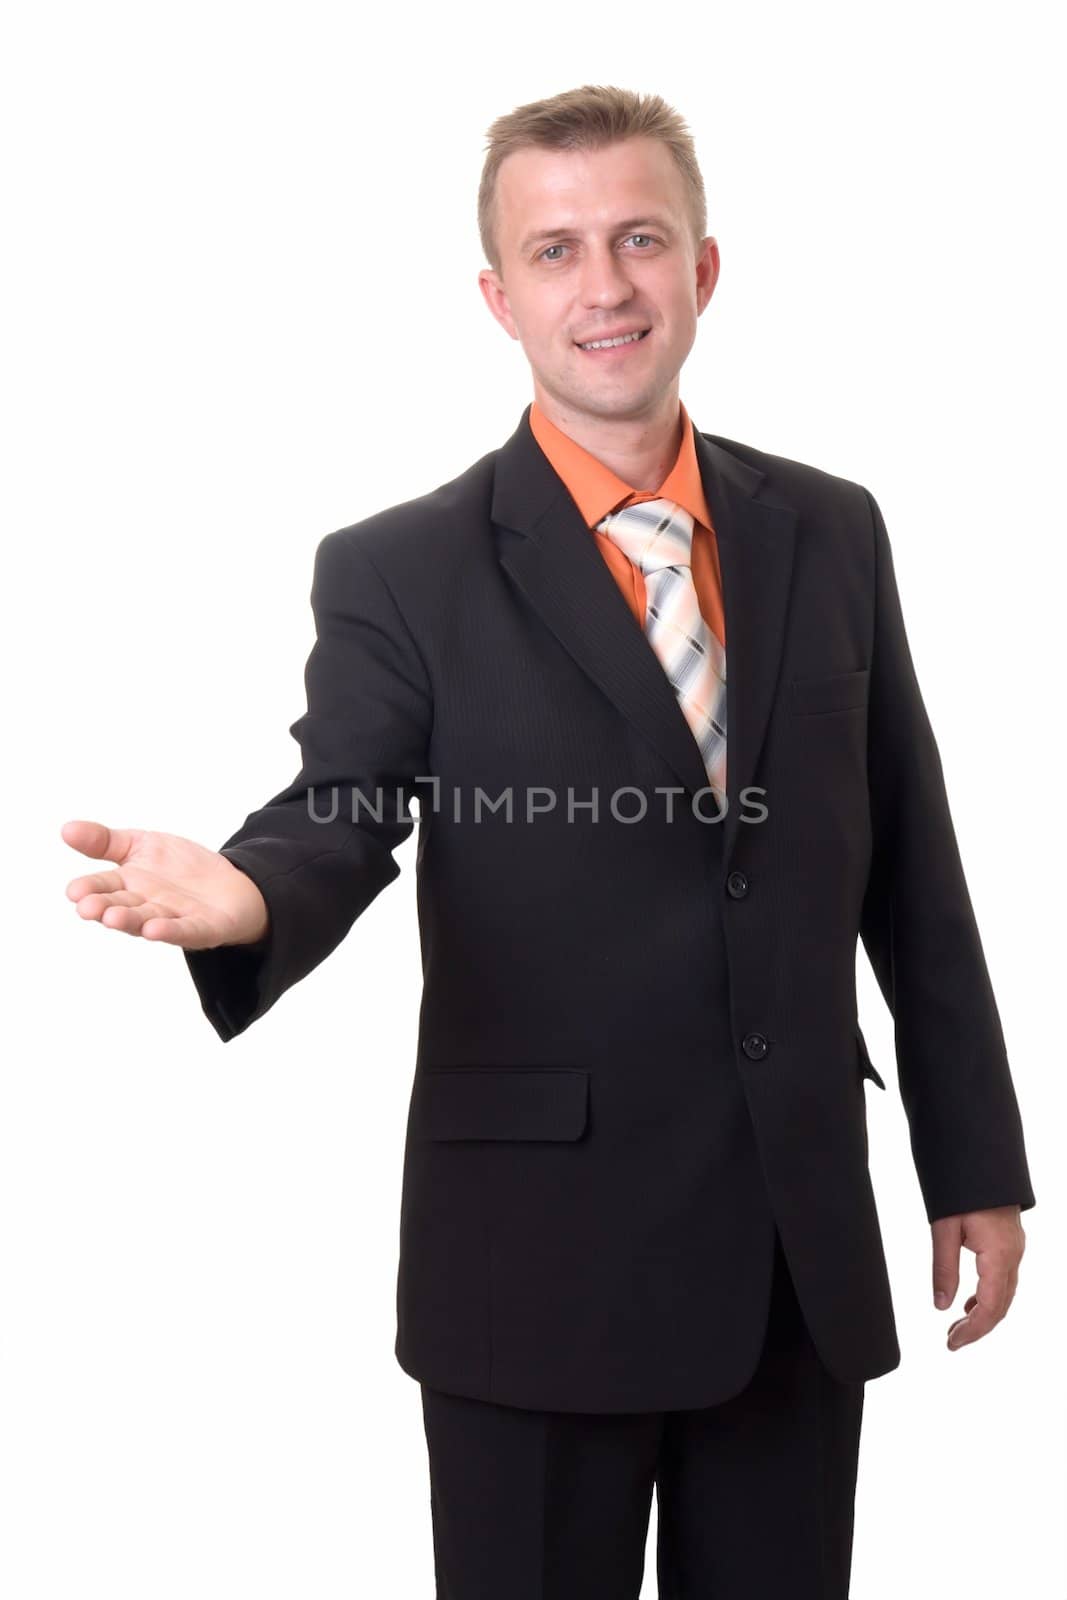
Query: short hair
[{"x": 588, "y": 118}]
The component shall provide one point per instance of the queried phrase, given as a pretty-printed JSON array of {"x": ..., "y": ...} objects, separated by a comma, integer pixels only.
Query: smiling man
[
  {"x": 639, "y": 1249},
  {"x": 598, "y": 271}
]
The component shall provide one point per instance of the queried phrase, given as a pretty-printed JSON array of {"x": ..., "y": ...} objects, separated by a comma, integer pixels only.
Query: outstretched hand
[
  {"x": 164, "y": 888},
  {"x": 997, "y": 1238}
]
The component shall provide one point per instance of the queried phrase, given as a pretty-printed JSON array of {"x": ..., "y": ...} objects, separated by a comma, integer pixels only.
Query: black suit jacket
[{"x": 638, "y": 1047}]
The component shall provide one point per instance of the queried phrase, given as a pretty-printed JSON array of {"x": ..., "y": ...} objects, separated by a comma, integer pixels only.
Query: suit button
[
  {"x": 737, "y": 885},
  {"x": 755, "y": 1046}
]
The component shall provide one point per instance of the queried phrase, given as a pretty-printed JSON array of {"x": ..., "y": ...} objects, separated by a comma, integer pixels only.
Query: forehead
[{"x": 585, "y": 189}]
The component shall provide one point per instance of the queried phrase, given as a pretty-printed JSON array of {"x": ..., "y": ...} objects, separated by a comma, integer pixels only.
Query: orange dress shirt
[{"x": 596, "y": 490}]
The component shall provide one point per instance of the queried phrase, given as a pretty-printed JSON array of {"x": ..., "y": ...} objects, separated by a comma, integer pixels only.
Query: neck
[{"x": 640, "y": 450}]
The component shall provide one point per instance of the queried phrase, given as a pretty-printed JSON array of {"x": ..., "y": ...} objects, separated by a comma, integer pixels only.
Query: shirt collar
[{"x": 596, "y": 490}]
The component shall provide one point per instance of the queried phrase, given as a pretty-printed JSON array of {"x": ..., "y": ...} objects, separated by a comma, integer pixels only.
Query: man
[{"x": 639, "y": 1245}]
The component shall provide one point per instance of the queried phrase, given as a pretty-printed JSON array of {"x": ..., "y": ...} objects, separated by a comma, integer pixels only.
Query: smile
[{"x": 615, "y": 344}]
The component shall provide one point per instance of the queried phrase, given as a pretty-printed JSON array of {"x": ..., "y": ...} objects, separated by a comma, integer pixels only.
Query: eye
[{"x": 648, "y": 239}]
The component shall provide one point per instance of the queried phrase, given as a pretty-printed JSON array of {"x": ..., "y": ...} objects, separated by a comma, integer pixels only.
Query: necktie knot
[{"x": 652, "y": 533}]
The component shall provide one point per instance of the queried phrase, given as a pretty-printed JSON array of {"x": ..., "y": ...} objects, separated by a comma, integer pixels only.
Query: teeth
[{"x": 609, "y": 344}]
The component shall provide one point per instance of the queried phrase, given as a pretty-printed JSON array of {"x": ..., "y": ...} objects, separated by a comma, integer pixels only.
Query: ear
[
  {"x": 496, "y": 298},
  {"x": 707, "y": 271}
]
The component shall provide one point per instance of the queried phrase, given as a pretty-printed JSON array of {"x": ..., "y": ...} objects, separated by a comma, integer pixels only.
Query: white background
[{"x": 241, "y": 311}]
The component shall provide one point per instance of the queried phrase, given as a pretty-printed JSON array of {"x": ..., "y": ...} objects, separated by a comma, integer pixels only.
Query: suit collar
[{"x": 564, "y": 576}]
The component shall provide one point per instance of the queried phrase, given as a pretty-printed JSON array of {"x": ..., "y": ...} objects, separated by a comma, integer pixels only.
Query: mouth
[{"x": 614, "y": 347}]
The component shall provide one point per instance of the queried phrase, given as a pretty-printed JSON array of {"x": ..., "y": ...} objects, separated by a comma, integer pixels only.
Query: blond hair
[{"x": 589, "y": 118}]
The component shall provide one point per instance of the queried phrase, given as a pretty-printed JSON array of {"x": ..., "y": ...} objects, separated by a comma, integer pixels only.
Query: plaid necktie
[{"x": 657, "y": 536}]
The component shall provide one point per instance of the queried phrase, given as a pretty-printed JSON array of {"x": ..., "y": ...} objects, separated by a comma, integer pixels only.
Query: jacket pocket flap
[
  {"x": 867, "y": 1066},
  {"x": 502, "y": 1102},
  {"x": 839, "y": 691}
]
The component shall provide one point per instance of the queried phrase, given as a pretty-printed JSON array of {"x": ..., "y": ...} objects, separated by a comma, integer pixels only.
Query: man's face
[{"x": 593, "y": 243}]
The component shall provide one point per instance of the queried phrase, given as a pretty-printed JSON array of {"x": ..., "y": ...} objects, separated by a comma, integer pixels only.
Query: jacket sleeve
[
  {"x": 321, "y": 849},
  {"x": 918, "y": 928}
]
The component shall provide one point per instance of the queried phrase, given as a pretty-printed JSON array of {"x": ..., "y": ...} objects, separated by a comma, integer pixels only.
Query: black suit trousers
[{"x": 755, "y": 1496}]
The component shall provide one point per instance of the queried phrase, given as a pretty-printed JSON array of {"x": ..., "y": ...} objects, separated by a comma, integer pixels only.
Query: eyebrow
[{"x": 630, "y": 222}]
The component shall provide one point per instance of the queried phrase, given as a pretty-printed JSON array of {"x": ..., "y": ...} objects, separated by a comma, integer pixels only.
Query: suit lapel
[
  {"x": 557, "y": 565},
  {"x": 756, "y": 537}
]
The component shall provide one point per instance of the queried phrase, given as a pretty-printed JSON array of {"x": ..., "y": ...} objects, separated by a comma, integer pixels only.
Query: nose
[{"x": 604, "y": 281}]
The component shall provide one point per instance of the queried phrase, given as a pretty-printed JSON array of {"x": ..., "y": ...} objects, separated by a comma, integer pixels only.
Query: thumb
[
  {"x": 93, "y": 839},
  {"x": 947, "y": 1238}
]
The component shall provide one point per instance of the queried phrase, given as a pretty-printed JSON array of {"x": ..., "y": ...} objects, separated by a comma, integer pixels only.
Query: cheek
[
  {"x": 542, "y": 326},
  {"x": 682, "y": 317},
  {"x": 678, "y": 303}
]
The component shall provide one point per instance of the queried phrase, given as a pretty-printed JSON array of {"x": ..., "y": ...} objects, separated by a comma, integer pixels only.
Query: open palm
[{"x": 165, "y": 888}]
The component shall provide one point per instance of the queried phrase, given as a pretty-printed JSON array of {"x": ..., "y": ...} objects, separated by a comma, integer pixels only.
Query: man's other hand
[{"x": 997, "y": 1239}]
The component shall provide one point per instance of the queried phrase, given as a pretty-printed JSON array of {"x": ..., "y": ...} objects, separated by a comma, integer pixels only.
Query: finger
[
  {"x": 93, "y": 906},
  {"x": 1013, "y": 1284},
  {"x": 95, "y": 883},
  {"x": 129, "y": 915},
  {"x": 946, "y": 1237},
  {"x": 94, "y": 839},
  {"x": 127, "y": 912},
  {"x": 987, "y": 1308},
  {"x": 973, "y": 1327},
  {"x": 189, "y": 932},
  {"x": 995, "y": 1267},
  {"x": 968, "y": 1304}
]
